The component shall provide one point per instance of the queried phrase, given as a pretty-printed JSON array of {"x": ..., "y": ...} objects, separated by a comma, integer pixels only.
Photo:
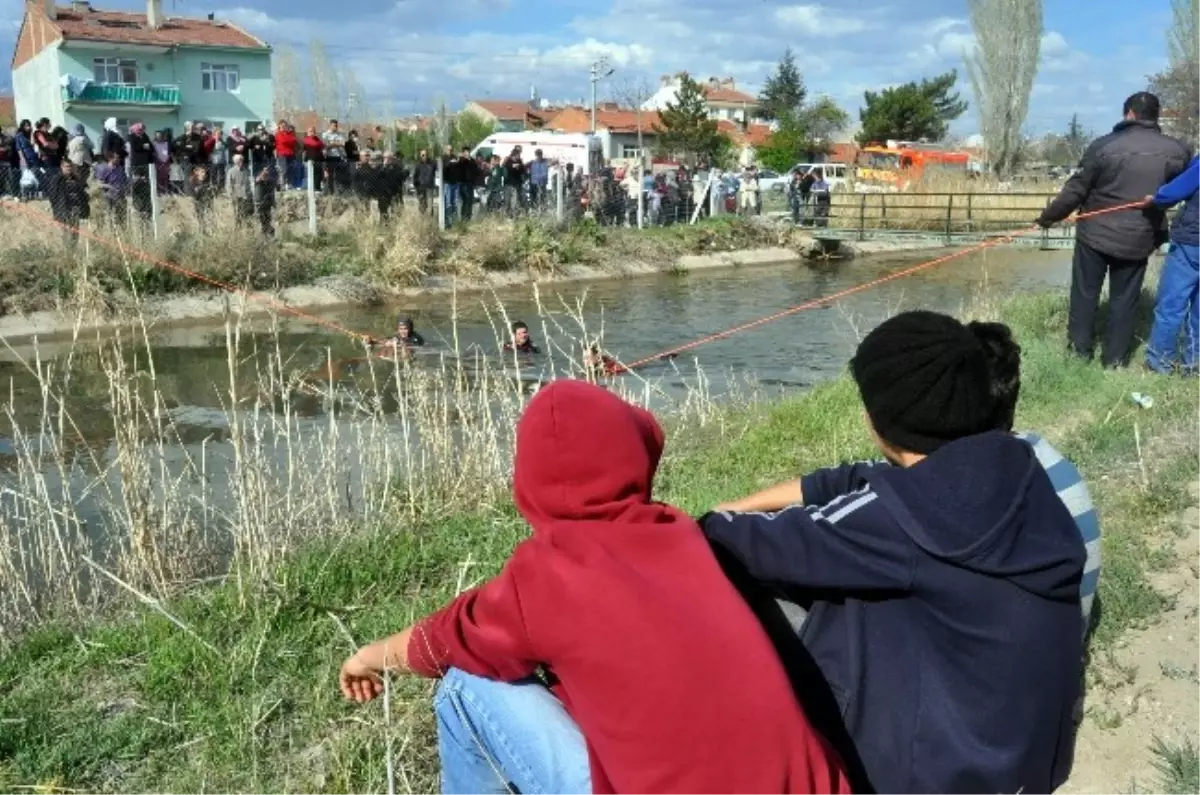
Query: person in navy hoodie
[{"x": 943, "y": 592}]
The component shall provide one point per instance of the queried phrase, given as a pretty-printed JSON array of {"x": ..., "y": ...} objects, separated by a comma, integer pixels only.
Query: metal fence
[{"x": 951, "y": 216}]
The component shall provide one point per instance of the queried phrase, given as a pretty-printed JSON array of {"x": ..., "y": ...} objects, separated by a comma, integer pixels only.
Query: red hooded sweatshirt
[{"x": 657, "y": 657}]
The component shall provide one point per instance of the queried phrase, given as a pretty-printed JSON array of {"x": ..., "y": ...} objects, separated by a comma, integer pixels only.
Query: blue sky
[{"x": 408, "y": 54}]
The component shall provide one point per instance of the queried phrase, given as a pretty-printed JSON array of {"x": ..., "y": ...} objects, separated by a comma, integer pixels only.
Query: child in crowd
[
  {"x": 940, "y": 591},
  {"x": 660, "y": 678}
]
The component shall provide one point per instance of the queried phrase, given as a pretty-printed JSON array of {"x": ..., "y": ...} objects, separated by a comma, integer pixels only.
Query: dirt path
[{"x": 1147, "y": 688}]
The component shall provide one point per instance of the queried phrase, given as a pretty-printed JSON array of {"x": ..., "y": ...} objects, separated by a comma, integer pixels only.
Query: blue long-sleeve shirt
[
  {"x": 1182, "y": 187},
  {"x": 1185, "y": 230}
]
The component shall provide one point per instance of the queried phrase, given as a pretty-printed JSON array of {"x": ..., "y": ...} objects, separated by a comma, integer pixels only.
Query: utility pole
[{"x": 598, "y": 66}]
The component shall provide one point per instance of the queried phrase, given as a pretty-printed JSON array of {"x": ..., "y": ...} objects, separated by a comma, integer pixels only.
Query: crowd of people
[{"x": 850, "y": 630}]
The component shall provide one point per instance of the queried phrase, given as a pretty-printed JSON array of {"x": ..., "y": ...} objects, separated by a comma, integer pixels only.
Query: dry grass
[{"x": 299, "y": 456}]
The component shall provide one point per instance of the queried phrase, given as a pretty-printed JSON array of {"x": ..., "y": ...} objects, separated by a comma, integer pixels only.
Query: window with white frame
[
  {"x": 115, "y": 71},
  {"x": 219, "y": 77},
  {"x": 630, "y": 151}
]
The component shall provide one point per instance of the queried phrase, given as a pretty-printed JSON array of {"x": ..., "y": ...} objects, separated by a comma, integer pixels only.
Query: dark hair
[
  {"x": 43, "y": 122},
  {"x": 405, "y": 321},
  {"x": 520, "y": 324},
  {"x": 1143, "y": 105},
  {"x": 333, "y": 121},
  {"x": 25, "y": 124},
  {"x": 1004, "y": 369}
]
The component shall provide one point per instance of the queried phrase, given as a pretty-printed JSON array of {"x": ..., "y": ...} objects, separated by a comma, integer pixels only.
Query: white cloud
[{"x": 815, "y": 20}]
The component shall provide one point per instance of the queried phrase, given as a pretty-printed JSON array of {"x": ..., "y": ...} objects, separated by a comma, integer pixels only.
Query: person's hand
[
  {"x": 1043, "y": 223},
  {"x": 1149, "y": 201},
  {"x": 726, "y": 507},
  {"x": 358, "y": 681}
]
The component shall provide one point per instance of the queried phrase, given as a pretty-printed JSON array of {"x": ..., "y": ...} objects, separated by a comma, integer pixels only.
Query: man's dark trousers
[{"x": 1124, "y": 289}]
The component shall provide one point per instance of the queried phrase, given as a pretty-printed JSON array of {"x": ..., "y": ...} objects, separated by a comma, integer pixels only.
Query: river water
[{"x": 634, "y": 318}]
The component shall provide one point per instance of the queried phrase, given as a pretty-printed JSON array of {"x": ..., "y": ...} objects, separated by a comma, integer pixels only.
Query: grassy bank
[
  {"x": 231, "y": 686},
  {"x": 360, "y": 255}
]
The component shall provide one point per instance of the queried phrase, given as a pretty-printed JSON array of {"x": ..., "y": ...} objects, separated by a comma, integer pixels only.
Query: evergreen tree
[
  {"x": 905, "y": 113},
  {"x": 685, "y": 128},
  {"x": 948, "y": 105},
  {"x": 784, "y": 91}
]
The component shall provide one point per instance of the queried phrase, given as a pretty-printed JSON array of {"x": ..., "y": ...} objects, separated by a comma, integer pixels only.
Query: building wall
[
  {"x": 36, "y": 88},
  {"x": 252, "y": 102}
]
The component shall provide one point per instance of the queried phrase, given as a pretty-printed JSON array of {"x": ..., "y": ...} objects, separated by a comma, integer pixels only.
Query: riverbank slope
[
  {"x": 232, "y": 686},
  {"x": 52, "y": 291}
]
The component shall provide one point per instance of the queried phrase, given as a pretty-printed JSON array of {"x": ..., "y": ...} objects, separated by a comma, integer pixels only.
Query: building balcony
[{"x": 88, "y": 94}]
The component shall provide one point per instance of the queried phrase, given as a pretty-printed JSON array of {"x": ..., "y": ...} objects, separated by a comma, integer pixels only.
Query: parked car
[
  {"x": 835, "y": 173},
  {"x": 771, "y": 180}
]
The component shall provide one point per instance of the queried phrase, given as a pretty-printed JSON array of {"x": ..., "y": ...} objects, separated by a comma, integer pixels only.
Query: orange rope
[
  {"x": 621, "y": 367},
  {"x": 829, "y": 299}
]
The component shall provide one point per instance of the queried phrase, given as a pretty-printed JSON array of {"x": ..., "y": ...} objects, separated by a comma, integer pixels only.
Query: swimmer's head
[
  {"x": 520, "y": 333},
  {"x": 404, "y": 326}
]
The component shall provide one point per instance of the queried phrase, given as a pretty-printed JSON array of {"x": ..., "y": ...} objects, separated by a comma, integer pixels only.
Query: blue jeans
[
  {"x": 496, "y": 737},
  {"x": 450, "y": 199},
  {"x": 1176, "y": 303}
]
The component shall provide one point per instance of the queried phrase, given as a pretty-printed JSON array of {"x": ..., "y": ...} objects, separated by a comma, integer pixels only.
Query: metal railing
[{"x": 950, "y": 216}]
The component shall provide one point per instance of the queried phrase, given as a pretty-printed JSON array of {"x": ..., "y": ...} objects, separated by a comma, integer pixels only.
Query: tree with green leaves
[
  {"x": 946, "y": 101},
  {"x": 802, "y": 135},
  {"x": 904, "y": 113},
  {"x": 469, "y": 129},
  {"x": 784, "y": 91},
  {"x": 684, "y": 127},
  {"x": 912, "y": 111}
]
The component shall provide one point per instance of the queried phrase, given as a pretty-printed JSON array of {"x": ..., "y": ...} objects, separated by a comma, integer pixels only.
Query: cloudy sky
[{"x": 415, "y": 52}]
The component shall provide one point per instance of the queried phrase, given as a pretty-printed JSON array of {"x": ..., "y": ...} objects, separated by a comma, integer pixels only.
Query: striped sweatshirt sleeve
[
  {"x": 1068, "y": 484},
  {"x": 851, "y": 543}
]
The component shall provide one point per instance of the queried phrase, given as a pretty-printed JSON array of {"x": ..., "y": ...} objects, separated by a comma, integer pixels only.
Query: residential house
[
  {"x": 511, "y": 115},
  {"x": 617, "y": 127},
  {"x": 746, "y": 138},
  {"x": 722, "y": 98},
  {"x": 76, "y": 64}
]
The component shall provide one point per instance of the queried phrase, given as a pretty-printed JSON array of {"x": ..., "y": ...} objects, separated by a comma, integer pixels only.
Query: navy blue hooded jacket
[{"x": 945, "y": 612}]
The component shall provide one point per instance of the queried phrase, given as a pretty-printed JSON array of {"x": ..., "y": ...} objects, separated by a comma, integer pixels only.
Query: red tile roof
[
  {"x": 754, "y": 135},
  {"x": 506, "y": 109},
  {"x": 130, "y": 28},
  {"x": 731, "y": 95},
  {"x": 578, "y": 120}
]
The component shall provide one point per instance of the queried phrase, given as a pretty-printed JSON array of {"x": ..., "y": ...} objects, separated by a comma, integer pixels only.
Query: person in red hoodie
[
  {"x": 648, "y": 649},
  {"x": 286, "y": 144}
]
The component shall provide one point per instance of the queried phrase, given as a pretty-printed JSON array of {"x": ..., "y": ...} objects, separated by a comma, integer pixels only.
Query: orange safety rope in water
[
  {"x": 620, "y": 366},
  {"x": 829, "y": 299}
]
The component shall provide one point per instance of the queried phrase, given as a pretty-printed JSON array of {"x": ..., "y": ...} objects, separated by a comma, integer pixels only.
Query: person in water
[
  {"x": 406, "y": 336},
  {"x": 665, "y": 683},
  {"x": 597, "y": 363},
  {"x": 521, "y": 341},
  {"x": 941, "y": 582}
]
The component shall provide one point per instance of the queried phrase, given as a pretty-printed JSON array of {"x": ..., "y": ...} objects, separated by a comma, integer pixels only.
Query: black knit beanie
[{"x": 924, "y": 381}]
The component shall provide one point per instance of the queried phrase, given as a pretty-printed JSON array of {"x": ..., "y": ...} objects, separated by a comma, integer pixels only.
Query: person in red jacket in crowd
[
  {"x": 658, "y": 677},
  {"x": 286, "y": 145}
]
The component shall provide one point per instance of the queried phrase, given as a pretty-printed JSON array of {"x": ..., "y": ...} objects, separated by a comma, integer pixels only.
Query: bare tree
[
  {"x": 1002, "y": 67},
  {"x": 1178, "y": 86},
  {"x": 632, "y": 92},
  {"x": 285, "y": 69},
  {"x": 326, "y": 93},
  {"x": 354, "y": 97}
]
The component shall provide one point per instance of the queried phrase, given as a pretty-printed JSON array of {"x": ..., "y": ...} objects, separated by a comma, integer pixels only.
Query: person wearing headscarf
[
  {"x": 80, "y": 149},
  {"x": 112, "y": 142}
]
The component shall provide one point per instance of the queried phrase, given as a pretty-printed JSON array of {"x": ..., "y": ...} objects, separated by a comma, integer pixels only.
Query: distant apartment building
[
  {"x": 77, "y": 64},
  {"x": 722, "y": 97}
]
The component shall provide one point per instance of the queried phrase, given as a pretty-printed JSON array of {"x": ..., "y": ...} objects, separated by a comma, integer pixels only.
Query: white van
[
  {"x": 583, "y": 149},
  {"x": 835, "y": 173}
]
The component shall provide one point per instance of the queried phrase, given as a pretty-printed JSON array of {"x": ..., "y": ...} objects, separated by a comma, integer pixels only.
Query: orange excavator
[{"x": 897, "y": 165}]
